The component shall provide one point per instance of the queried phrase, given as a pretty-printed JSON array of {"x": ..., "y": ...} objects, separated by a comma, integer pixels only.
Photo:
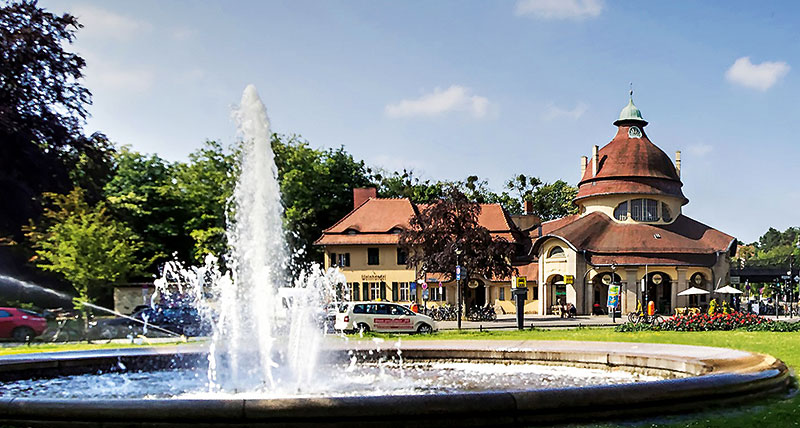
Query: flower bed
[{"x": 706, "y": 322}]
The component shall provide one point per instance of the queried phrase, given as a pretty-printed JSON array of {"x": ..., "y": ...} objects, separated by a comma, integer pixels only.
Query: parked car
[
  {"x": 381, "y": 317},
  {"x": 183, "y": 320},
  {"x": 21, "y": 324}
]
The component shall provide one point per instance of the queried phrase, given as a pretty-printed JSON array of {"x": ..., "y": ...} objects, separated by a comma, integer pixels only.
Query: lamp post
[
  {"x": 458, "y": 287},
  {"x": 619, "y": 294}
]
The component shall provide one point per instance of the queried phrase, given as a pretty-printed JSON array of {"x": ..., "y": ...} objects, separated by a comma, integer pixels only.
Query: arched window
[
  {"x": 665, "y": 214},
  {"x": 621, "y": 212},
  {"x": 556, "y": 252},
  {"x": 644, "y": 210}
]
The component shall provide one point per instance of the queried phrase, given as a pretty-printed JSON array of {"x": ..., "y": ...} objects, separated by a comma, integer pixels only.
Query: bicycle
[
  {"x": 64, "y": 331},
  {"x": 642, "y": 317}
]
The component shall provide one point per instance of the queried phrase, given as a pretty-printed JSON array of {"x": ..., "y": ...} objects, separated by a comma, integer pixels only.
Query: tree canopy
[
  {"x": 449, "y": 224},
  {"x": 42, "y": 111}
]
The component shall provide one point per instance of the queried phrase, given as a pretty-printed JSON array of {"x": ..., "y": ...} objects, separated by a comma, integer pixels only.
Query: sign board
[
  {"x": 425, "y": 292},
  {"x": 413, "y": 288},
  {"x": 736, "y": 280},
  {"x": 424, "y": 287},
  {"x": 613, "y": 296},
  {"x": 521, "y": 282},
  {"x": 785, "y": 276},
  {"x": 569, "y": 279},
  {"x": 458, "y": 273},
  {"x": 797, "y": 278}
]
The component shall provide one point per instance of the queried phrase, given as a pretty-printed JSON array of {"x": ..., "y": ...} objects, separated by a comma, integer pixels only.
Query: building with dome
[{"x": 630, "y": 231}]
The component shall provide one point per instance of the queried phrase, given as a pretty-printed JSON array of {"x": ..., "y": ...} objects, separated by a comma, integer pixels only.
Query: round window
[{"x": 657, "y": 278}]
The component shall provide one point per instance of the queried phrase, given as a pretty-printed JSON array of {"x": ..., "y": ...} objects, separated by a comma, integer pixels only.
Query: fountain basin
[{"x": 698, "y": 377}]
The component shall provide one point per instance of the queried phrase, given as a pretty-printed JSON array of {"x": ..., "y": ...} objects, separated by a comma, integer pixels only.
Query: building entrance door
[
  {"x": 659, "y": 291},
  {"x": 475, "y": 294}
]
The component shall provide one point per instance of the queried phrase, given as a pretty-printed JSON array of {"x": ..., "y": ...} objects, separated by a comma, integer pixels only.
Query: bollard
[{"x": 520, "y": 293}]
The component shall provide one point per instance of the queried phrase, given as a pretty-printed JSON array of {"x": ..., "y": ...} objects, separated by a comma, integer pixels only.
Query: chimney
[
  {"x": 595, "y": 160},
  {"x": 528, "y": 207},
  {"x": 584, "y": 161},
  {"x": 678, "y": 162},
  {"x": 361, "y": 194}
]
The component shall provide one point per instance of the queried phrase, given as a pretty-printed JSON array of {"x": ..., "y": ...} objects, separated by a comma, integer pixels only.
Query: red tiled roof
[
  {"x": 624, "y": 159},
  {"x": 374, "y": 220},
  {"x": 597, "y": 233}
]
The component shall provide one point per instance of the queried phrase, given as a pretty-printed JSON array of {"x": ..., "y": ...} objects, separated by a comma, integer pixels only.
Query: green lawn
[
  {"x": 779, "y": 412},
  {"x": 74, "y": 346}
]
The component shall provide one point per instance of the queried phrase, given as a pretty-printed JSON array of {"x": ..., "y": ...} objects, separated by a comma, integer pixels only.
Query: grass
[
  {"x": 776, "y": 412},
  {"x": 75, "y": 346}
]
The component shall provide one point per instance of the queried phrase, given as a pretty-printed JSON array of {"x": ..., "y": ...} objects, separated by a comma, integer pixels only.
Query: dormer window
[
  {"x": 645, "y": 210},
  {"x": 396, "y": 230},
  {"x": 556, "y": 252},
  {"x": 351, "y": 231},
  {"x": 666, "y": 215},
  {"x": 621, "y": 212}
]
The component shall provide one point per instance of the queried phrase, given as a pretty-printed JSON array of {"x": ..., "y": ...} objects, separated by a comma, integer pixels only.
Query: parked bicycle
[
  {"x": 68, "y": 328},
  {"x": 484, "y": 313},
  {"x": 642, "y": 317},
  {"x": 444, "y": 313}
]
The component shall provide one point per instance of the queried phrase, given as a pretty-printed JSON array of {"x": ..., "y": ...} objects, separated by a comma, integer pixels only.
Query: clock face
[
  {"x": 606, "y": 279},
  {"x": 698, "y": 279},
  {"x": 634, "y": 132},
  {"x": 657, "y": 278}
]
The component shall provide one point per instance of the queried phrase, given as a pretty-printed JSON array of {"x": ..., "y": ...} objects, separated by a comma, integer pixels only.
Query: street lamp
[{"x": 458, "y": 287}]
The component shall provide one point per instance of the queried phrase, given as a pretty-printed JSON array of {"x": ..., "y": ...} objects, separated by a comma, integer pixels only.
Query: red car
[{"x": 21, "y": 324}]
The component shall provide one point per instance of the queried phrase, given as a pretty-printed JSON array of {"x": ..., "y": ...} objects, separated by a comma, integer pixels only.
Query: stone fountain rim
[{"x": 715, "y": 376}]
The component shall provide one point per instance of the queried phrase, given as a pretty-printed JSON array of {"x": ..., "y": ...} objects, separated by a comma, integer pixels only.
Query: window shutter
[
  {"x": 365, "y": 291},
  {"x": 347, "y": 259},
  {"x": 444, "y": 293},
  {"x": 355, "y": 294},
  {"x": 334, "y": 261},
  {"x": 383, "y": 290},
  {"x": 395, "y": 292}
]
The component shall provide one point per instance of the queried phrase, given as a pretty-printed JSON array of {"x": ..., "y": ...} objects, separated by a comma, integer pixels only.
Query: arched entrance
[
  {"x": 556, "y": 292},
  {"x": 659, "y": 291},
  {"x": 599, "y": 285},
  {"x": 475, "y": 293}
]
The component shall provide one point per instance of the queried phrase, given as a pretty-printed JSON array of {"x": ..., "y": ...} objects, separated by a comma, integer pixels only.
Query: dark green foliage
[
  {"x": 42, "y": 110},
  {"x": 317, "y": 190},
  {"x": 406, "y": 185}
]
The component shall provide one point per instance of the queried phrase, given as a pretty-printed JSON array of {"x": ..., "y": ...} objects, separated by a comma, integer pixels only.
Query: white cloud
[
  {"x": 756, "y": 76},
  {"x": 700, "y": 150},
  {"x": 454, "y": 98},
  {"x": 560, "y": 9},
  {"x": 101, "y": 24},
  {"x": 104, "y": 74},
  {"x": 554, "y": 112}
]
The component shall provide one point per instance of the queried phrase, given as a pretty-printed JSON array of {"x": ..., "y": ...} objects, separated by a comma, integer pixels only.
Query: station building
[{"x": 629, "y": 230}]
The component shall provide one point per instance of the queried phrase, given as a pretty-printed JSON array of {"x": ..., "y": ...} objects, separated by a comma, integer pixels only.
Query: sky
[{"x": 456, "y": 88}]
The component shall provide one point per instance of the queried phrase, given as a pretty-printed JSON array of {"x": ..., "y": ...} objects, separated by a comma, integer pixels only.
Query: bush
[{"x": 715, "y": 322}]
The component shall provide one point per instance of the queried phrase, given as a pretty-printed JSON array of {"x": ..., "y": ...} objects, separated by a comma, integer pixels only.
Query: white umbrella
[
  {"x": 728, "y": 290},
  {"x": 693, "y": 291}
]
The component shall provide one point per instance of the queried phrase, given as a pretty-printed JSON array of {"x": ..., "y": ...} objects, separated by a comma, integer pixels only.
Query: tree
[
  {"x": 143, "y": 194},
  {"x": 552, "y": 201},
  {"x": 450, "y": 224},
  {"x": 84, "y": 244},
  {"x": 406, "y": 185},
  {"x": 42, "y": 109},
  {"x": 204, "y": 185},
  {"x": 316, "y": 189}
]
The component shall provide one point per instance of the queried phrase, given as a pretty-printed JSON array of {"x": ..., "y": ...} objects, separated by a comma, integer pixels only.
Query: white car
[{"x": 382, "y": 317}]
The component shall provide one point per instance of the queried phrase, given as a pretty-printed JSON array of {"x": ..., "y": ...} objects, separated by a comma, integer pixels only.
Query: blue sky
[{"x": 454, "y": 88}]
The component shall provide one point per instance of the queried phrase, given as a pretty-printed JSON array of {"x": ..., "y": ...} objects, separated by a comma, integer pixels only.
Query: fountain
[{"x": 268, "y": 363}]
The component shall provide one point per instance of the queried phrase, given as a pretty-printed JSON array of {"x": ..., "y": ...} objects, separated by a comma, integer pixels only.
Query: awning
[{"x": 693, "y": 291}]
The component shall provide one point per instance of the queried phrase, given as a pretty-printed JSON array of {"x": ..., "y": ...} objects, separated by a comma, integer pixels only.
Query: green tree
[
  {"x": 42, "y": 111},
  {"x": 143, "y": 194},
  {"x": 406, "y": 185},
  {"x": 84, "y": 244},
  {"x": 316, "y": 189},
  {"x": 552, "y": 201},
  {"x": 204, "y": 185}
]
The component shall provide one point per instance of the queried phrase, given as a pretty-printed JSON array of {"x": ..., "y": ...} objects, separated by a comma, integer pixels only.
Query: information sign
[
  {"x": 569, "y": 279},
  {"x": 736, "y": 280},
  {"x": 521, "y": 282}
]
